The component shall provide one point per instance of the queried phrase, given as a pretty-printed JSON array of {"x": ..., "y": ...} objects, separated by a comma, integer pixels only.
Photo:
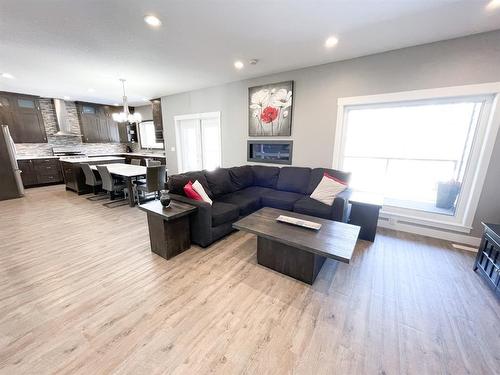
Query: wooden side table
[
  {"x": 365, "y": 210},
  {"x": 169, "y": 231}
]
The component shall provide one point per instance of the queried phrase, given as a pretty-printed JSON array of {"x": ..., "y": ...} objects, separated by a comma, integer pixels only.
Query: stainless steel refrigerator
[{"x": 11, "y": 184}]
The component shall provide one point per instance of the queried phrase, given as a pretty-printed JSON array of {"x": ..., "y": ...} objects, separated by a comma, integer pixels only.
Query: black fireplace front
[{"x": 277, "y": 152}]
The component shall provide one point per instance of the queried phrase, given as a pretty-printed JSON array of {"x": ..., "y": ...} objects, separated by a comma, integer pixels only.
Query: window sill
[{"x": 422, "y": 221}]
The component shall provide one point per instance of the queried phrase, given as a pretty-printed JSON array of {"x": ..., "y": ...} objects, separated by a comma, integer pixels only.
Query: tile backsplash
[{"x": 50, "y": 122}]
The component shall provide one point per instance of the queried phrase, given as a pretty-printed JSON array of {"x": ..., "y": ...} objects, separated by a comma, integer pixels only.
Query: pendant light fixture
[{"x": 126, "y": 116}]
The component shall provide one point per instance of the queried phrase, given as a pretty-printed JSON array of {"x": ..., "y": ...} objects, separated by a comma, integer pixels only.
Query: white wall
[{"x": 473, "y": 59}]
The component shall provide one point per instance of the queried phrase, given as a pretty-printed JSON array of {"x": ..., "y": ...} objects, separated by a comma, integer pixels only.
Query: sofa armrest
[
  {"x": 200, "y": 221},
  {"x": 340, "y": 206}
]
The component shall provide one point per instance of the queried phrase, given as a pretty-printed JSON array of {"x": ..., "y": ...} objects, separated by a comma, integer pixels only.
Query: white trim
[
  {"x": 429, "y": 232},
  {"x": 194, "y": 116},
  {"x": 487, "y": 130}
]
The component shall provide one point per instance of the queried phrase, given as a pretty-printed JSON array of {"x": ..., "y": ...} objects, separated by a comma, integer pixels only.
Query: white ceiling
[{"x": 64, "y": 47}]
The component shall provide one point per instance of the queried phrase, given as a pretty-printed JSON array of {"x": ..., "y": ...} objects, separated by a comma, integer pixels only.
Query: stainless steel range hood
[{"x": 63, "y": 124}]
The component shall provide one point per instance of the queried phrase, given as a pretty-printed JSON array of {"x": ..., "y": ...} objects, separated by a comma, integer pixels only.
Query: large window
[
  {"x": 421, "y": 155},
  {"x": 147, "y": 137}
]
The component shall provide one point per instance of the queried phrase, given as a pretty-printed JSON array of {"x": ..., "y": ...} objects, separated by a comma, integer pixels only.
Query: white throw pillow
[
  {"x": 199, "y": 189},
  {"x": 327, "y": 189}
]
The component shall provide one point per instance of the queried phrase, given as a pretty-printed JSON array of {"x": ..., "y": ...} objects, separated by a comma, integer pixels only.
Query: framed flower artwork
[{"x": 270, "y": 110}]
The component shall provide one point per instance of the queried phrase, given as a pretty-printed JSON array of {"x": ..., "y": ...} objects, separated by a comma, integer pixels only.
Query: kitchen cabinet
[
  {"x": 28, "y": 174},
  {"x": 157, "y": 119},
  {"x": 97, "y": 124},
  {"x": 89, "y": 122},
  {"x": 128, "y": 158},
  {"x": 74, "y": 178},
  {"x": 40, "y": 171},
  {"x": 23, "y": 116}
]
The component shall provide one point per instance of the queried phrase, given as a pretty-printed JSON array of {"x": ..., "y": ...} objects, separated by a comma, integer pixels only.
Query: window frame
[
  {"x": 195, "y": 116},
  {"x": 162, "y": 147},
  {"x": 480, "y": 155}
]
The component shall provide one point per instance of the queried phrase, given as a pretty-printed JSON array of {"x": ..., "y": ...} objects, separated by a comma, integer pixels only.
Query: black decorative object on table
[
  {"x": 165, "y": 198},
  {"x": 488, "y": 256}
]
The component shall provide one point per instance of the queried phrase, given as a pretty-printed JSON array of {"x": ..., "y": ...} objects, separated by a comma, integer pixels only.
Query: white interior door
[
  {"x": 210, "y": 137},
  {"x": 189, "y": 148},
  {"x": 198, "y": 141}
]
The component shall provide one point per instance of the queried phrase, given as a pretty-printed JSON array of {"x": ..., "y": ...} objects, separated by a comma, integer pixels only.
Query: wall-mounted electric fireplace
[{"x": 277, "y": 152}]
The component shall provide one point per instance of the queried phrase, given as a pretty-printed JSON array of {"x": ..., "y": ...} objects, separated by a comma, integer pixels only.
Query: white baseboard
[{"x": 430, "y": 232}]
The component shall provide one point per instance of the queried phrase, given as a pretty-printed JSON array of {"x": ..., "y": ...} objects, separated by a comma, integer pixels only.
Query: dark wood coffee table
[
  {"x": 169, "y": 231},
  {"x": 295, "y": 251}
]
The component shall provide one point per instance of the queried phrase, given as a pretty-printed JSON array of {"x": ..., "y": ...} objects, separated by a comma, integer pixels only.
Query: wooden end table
[
  {"x": 365, "y": 209},
  {"x": 169, "y": 231}
]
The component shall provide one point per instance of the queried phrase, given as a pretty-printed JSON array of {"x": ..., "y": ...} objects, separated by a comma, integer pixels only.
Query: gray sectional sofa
[{"x": 239, "y": 191}]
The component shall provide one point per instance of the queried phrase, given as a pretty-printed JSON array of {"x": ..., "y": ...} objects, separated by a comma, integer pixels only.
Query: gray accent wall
[{"x": 469, "y": 60}]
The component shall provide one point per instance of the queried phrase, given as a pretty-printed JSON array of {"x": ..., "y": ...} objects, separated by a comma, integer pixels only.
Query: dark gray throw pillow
[
  {"x": 219, "y": 182},
  {"x": 265, "y": 176},
  {"x": 241, "y": 177},
  {"x": 294, "y": 179}
]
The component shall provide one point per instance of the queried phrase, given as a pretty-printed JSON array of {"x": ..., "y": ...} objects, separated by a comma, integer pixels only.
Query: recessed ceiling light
[
  {"x": 90, "y": 90},
  {"x": 152, "y": 20},
  {"x": 493, "y": 4},
  {"x": 331, "y": 42},
  {"x": 116, "y": 104},
  {"x": 7, "y": 75},
  {"x": 145, "y": 99},
  {"x": 238, "y": 65},
  {"x": 66, "y": 97}
]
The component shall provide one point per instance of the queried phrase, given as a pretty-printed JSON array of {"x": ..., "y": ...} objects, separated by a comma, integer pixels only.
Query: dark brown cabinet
[
  {"x": 97, "y": 124},
  {"x": 28, "y": 174},
  {"x": 40, "y": 171},
  {"x": 23, "y": 116},
  {"x": 488, "y": 256},
  {"x": 157, "y": 119}
]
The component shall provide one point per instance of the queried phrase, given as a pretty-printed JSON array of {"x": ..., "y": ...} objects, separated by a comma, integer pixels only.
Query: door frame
[{"x": 199, "y": 117}]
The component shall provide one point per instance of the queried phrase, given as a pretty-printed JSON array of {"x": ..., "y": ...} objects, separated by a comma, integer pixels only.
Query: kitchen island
[{"x": 74, "y": 178}]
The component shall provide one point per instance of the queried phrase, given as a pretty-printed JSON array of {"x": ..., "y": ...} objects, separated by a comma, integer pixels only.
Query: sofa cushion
[
  {"x": 223, "y": 213},
  {"x": 177, "y": 182},
  {"x": 283, "y": 200},
  {"x": 247, "y": 201},
  {"x": 219, "y": 182},
  {"x": 241, "y": 177},
  {"x": 294, "y": 179},
  {"x": 309, "y": 206},
  {"x": 258, "y": 190},
  {"x": 265, "y": 176},
  {"x": 318, "y": 173}
]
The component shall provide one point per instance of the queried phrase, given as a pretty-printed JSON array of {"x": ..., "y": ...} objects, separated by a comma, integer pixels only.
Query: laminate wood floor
[{"x": 81, "y": 293}]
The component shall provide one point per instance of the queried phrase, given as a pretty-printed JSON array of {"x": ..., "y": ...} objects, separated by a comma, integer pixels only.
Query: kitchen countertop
[
  {"x": 36, "y": 157},
  {"x": 91, "y": 160},
  {"x": 116, "y": 154},
  {"x": 130, "y": 154}
]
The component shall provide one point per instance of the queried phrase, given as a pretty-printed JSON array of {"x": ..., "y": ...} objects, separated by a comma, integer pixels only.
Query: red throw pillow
[
  {"x": 335, "y": 179},
  {"x": 191, "y": 193}
]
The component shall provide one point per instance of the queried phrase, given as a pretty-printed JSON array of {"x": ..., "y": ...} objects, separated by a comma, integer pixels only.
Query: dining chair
[
  {"x": 111, "y": 186},
  {"x": 135, "y": 161},
  {"x": 155, "y": 181},
  {"x": 152, "y": 163},
  {"x": 92, "y": 180}
]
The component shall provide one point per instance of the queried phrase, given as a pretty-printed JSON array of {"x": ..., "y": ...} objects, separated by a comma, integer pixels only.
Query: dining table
[{"x": 128, "y": 172}]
